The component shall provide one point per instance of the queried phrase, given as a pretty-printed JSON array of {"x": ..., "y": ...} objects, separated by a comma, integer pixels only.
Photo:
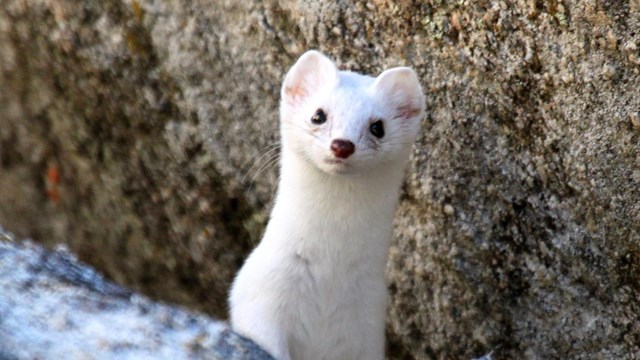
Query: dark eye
[
  {"x": 319, "y": 117},
  {"x": 377, "y": 129}
]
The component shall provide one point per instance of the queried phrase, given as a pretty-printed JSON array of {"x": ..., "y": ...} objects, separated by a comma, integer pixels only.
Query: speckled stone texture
[
  {"x": 53, "y": 307},
  {"x": 140, "y": 132}
]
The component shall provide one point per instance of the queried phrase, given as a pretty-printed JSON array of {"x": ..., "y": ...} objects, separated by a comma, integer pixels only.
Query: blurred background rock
[{"x": 133, "y": 131}]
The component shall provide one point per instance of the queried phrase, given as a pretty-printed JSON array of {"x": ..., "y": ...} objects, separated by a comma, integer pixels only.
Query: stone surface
[
  {"x": 140, "y": 134},
  {"x": 53, "y": 307}
]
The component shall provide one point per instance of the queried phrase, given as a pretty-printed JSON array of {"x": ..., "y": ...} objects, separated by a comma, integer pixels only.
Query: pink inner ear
[
  {"x": 407, "y": 111},
  {"x": 295, "y": 93}
]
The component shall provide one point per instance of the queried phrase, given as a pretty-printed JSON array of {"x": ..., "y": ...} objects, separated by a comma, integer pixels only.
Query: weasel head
[{"x": 343, "y": 123}]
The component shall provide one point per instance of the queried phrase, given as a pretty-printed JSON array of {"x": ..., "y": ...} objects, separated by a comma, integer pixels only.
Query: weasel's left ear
[
  {"x": 400, "y": 89},
  {"x": 312, "y": 71}
]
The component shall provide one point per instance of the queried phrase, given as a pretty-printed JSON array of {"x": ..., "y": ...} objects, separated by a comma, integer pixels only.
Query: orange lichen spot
[
  {"x": 52, "y": 181},
  {"x": 52, "y": 174}
]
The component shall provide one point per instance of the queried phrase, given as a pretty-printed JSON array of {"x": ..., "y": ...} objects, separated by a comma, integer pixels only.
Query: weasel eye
[
  {"x": 377, "y": 129},
  {"x": 319, "y": 117}
]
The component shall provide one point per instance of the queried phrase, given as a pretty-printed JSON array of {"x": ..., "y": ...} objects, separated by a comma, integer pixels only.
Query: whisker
[
  {"x": 265, "y": 166},
  {"x": 398, "y": 143},
  {"x": 257, "y": 161},
  {"x": 265, "y": 149},
  {"x": 275, "y": 188}
]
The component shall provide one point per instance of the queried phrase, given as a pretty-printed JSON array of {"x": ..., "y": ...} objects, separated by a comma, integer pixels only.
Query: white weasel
[{"x": 314, "y": 288}]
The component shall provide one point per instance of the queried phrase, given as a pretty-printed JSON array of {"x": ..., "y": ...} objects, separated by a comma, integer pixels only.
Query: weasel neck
[
  {"x": 334, "y": 213},
  {"x": 303, "y": 184}
]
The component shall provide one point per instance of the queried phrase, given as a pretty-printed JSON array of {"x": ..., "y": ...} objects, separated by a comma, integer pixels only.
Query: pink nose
[{"x": 342, "y": 148}]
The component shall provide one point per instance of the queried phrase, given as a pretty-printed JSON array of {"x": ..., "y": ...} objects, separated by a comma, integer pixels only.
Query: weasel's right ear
[{"x": 312, "y": 71}]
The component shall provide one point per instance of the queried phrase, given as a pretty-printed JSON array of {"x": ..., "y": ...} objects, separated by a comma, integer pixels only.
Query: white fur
[{"x": 314, "y": 287}]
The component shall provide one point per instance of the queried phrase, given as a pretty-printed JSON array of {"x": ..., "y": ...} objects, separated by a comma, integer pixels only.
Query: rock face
[
  {"x": 53, "y": 307},
  {"x": 140, "y": 133}
]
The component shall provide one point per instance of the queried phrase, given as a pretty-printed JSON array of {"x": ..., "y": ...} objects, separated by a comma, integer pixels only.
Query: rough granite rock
[
  {"x": 149, "y": 126},
  {"x": 53, "y": 307}
]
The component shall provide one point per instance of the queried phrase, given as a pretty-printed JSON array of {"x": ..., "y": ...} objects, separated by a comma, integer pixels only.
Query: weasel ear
[
  {"x": 312, "y": 71},
  {"x": 400, "y": 89}
]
